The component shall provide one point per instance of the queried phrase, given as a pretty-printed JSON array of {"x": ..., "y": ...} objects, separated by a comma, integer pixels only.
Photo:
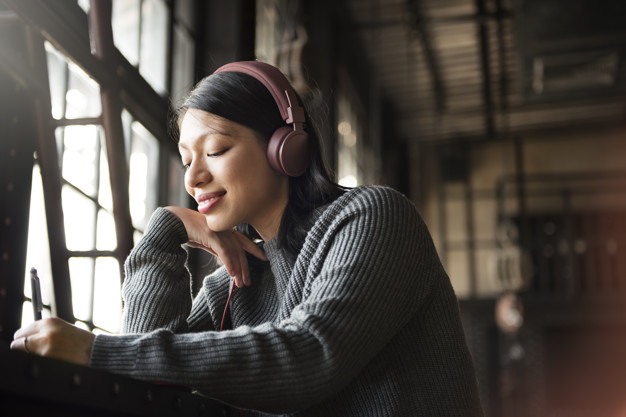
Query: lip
[{"x": 207, "y": 201}]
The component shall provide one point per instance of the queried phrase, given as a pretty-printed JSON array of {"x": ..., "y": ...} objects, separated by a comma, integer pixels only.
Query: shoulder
[
  {"x": 368, "y": 210},
  {"x": 367, "y": 223},
  {"x": 374, "y": 199}
]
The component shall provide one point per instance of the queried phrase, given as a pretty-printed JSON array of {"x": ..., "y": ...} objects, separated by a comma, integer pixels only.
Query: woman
[{"x": 342, "y": 307}]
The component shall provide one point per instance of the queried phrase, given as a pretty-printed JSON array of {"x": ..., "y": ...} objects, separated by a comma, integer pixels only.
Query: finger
[
  {"x": 245, "y": 270},
  {"x": 249, "y": 246},
  {"x": 237, "y": 266},
  {"x": 231, "y": 263},
  {"x": 27, "y": 343},
  {"x": 31, "y": 329},
  {"x": 201, "y": 246},
  {"x": 20, "y": 344},
  {"x": 230, "y": 259}
]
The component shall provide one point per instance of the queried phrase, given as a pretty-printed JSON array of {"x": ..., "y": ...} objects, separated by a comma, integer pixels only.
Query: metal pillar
[
  {"x": 17, "y": 145},
  {"x": 104, "y": 49}
]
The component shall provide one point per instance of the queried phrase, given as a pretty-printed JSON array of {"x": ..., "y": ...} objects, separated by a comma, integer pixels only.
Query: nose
[{"x": 197, "y": 175}]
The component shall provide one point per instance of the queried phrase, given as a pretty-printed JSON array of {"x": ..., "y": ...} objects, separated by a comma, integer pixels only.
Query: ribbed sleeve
[
  {"x": 364, "y": 324},
  {"x": 156, "y": 277}
]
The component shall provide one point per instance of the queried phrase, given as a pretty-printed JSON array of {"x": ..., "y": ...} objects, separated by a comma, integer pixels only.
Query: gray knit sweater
[{"x": 365, "y": 323}]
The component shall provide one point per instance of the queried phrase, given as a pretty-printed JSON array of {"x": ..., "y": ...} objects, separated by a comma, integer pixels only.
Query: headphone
[{"x": 288, "y": 150}]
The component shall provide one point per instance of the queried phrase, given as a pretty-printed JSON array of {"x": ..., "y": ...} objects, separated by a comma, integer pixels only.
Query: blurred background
[{"x": 504, "y": 121}]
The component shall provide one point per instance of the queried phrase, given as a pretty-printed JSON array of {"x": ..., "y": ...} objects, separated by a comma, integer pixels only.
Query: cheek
[{"x": 252, "y": 165}]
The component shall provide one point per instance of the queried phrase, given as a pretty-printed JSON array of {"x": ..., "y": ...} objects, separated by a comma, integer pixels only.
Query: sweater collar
[{"x": 273, "y": 252}]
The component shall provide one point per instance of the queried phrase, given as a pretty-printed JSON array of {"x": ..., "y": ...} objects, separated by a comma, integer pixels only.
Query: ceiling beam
[
  {"x": 486, "y": 69},
  {"x": 419, "y": 26}
]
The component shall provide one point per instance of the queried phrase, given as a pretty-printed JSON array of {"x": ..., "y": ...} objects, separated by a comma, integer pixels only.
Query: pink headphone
[{"x": 288, "y": 149}]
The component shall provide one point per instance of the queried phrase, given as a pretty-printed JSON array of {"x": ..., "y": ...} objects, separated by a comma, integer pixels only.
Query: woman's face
[{"x": 229, "y": 176}]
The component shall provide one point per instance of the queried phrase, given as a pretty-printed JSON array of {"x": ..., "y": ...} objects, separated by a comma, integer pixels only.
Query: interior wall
[{"x": 578, "y": 172}]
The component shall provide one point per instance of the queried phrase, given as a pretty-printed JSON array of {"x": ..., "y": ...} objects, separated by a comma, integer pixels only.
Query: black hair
[{"x": 243, "y": 99}]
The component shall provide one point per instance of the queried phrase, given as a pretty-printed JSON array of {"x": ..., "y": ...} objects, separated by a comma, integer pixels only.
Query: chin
[{"x": 220, "y": 226}]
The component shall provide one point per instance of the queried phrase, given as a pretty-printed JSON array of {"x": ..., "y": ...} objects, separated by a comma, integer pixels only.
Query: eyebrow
[{"x": 210, "y": 131}]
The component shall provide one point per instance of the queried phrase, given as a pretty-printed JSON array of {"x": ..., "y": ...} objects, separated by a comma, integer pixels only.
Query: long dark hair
[{"x": 242, "y": 99}]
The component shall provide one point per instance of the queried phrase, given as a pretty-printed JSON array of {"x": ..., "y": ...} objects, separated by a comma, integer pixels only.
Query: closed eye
[
  {"x": 215, "y": 154},
  {"x": 210, "y": 155}
]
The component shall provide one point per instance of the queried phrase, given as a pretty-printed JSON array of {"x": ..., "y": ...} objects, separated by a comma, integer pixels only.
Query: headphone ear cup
[{"x": 288, "y": 151}]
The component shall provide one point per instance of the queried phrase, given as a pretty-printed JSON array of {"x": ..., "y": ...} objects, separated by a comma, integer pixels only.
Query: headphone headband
[{"x": 275, "y": 82}]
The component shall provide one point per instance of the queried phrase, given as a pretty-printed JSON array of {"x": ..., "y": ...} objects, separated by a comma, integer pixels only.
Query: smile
[{"x": 207, "y": 201}]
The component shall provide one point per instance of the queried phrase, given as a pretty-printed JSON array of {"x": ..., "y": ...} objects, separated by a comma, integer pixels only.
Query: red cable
[{"x": 230, "y": 294}]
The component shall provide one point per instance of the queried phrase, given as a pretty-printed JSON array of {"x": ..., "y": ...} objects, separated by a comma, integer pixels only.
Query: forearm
[
  {"x": 156, "y": 289},
  {"x": 267, "y": 368}
]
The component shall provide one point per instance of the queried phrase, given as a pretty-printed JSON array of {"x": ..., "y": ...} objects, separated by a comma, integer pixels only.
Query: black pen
[{"x": 35, "y": 294}]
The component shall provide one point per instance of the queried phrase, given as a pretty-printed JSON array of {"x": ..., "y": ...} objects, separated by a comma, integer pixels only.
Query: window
[
  {"x": 85, "y": 198},
  {"x": 141, "y": 33},
  {"x": 184, "y": 46},
  {"x": 347, "y": 150},
  {"x": 356, "y": 163}
]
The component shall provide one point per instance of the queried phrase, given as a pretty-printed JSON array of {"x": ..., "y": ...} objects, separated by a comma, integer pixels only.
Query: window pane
[
  {"x": 107, "y": 306},
  {"x": 143, "y": 186},
  {"x": 57, "y": 76},
  {"x": 127, "y": 122},
  {"x": 185, "y": 12},
  {"x": 347, "y": 144},
  {"x": 81, "y": 325},
  {"x": 125, "y": 24},
  {"x": 84, "y": 4},
  {"x": 106, "y": 238},
  {"x": 81, "y": 277},
  {"x": 83, "y": 95},
  {"x": 137, "y": 237},
  {"x": 38, "y": 250},
  {"x": 59, "y": 133},
  {"x": 268, "y": 30},
  {"x": 79, "y": 214},
  {"x": 153, "y": 49},
  {"x": 182, "y": 64},
  {"x": 27, "y": 313},
  {"x": 81, "y": 151},
  {"x": 177, "y": 196},
  {"x": 105, "y": 198}
]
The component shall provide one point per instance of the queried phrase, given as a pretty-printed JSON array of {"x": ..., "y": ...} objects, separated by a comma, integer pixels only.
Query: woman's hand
[
  {"x": 55, "y": 338},
  {"x": 229, "y": 246}
]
